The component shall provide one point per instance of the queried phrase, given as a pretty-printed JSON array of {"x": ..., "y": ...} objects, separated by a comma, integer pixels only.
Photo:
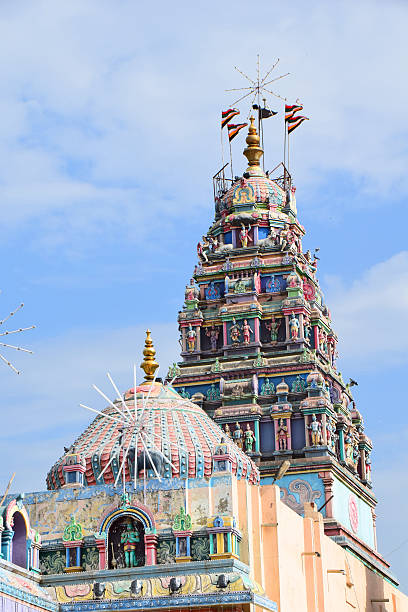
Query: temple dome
[
  {"x": 264, "y": 189},
  {"x": 177, "y": 427}
]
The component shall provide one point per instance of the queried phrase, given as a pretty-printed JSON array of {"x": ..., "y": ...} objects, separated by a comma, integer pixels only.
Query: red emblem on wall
[
  {"x": 353, "y": 513},
  {"x": 309, "y": 291}
]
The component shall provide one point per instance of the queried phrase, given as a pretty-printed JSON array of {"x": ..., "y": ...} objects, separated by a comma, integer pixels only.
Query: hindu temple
[{"x": 243, "y": 481}]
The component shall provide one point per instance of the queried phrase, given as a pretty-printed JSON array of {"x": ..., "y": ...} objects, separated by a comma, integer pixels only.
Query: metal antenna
[{"x": 13, "y": 331}]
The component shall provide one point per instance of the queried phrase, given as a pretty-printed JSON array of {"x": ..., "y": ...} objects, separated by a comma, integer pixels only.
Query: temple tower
[{"x": 259, "y": 352}]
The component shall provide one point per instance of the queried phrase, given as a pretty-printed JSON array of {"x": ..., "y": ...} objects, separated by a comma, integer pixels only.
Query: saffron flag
[
  {"x": 227, "y": 115},
  {"x": 290, "y": 110},
  {"x": 234, "y": 129},
  {"x": 294, "y": 122}
]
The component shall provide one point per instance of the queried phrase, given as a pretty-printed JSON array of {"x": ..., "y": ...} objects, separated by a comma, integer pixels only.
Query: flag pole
[
  {"x": 232, "y": 172},
  {"x": 222, "y": 149}
]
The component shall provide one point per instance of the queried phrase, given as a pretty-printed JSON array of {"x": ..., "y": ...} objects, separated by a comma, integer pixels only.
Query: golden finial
[
  {"x": 149, "y": 365},
  {"x": 253, "y": 152}
]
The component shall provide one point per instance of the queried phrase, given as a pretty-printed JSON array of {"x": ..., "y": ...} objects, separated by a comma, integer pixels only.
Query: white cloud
[
  {"x": 100, "y": 101},
  {"x": 370, "y": 313}
]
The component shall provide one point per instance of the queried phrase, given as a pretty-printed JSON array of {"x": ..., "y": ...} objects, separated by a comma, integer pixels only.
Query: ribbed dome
[
  {"x": 265, "y": 190},
  {"x": 176, "y": 427}
]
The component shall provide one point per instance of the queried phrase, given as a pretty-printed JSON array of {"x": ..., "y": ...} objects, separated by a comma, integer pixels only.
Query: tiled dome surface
[
  {"x": 264, "y": 188},
  {"x": 168, "y": 418}
]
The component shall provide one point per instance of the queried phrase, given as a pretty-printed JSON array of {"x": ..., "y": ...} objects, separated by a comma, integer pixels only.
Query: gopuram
[
  {"x": 259, "y": 354},
  {"x": 240, "y": 484}
]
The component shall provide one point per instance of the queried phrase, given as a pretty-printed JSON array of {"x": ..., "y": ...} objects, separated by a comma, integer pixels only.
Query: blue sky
[{"x": 109, "y": 137}]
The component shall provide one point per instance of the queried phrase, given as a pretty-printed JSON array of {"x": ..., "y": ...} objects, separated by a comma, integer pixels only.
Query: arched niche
[
  {"x": 125, "y": 543},
  {"x": 19, "y": 543},
  {"x": 111, "y": 529}
]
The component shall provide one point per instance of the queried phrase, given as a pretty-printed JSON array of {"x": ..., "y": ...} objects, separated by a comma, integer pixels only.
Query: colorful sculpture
[
  {"x": 246, "y": 332},
  {"x": 294, "y": 327},
  {"x": 129, "y": 539},
  {"x": 282, "y": 435},
  {"x": 315, "y": 431},
  {"x": 238, "y": 435},
  {"x": 249, "y": 439},
  {"x": 235, "y": 332},
  {"x": 244, "y": 235},
  {"x": 212, "y": 333},
  {"x": 191, "y": 337},
  {"x": 272, "y": 326}
]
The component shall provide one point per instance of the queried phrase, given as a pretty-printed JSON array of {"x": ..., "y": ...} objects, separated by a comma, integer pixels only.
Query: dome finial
[
  {"x": 149, "y": 365},
  {"x": 253, "y": 152}
]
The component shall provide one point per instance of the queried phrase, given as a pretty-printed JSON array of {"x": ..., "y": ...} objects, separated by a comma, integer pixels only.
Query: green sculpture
[
  {"x": 129, "y": 539},
  {"x": 73, "y": 531},
  {"x": 182, "y": 521}
]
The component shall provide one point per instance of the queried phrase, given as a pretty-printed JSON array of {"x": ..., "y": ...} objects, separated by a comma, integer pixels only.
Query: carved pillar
[
  {"x": 324, "y": 430},
  {"x": 287, "y": 336},
  {"x": 225, "y": 333},
  {"x": 340, "y": 430},
  {"x": 301, "y": 326},
  {"x": 6, "y": 543},
  {"x": 289, "y": 436},
  {"x": 101, "y": 545},
  {"x": 328, "y": 480},
  {"x": 183, "y": 339},
  {"x": 151, "y": 548},
  {"x": 255, "y": 235},
  {"x": 374, "y": 527},
  {"x": 198, "y": 332},
  {"x": 256, "y": 329},
  {"x": 316, "y": 337},
  {"x": 256, "y": 431}
]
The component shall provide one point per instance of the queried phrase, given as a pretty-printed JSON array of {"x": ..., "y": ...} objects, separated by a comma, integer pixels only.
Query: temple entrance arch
[
  {"x": 19, "y": 542},
  {"x": 126, "y": 545}
]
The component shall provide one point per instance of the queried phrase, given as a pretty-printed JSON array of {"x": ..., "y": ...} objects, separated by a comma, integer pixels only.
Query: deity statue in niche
[
  {"x": 226, "y": 283},
  {"x": 272, "y": 326},
  {"x": 129, "y": 538},
  {"x": 294, "y": 327},
  {"x": 227, "y": 430},
  {"x": 235, "y": 332},
  {"x": 191, "y": 336},
  {"x": 191, "y": 291},
  {"x": 244, "y": 235},
  {"x": 238, "y": 435},
  {"x": 323, "y": 341},
  {"x": 307, "y": 329},
  {"x": 212, "y": 333},
  {"x": 315, "y": 431},
  {"x": 240, "y": 286},
  {"x": 249, "y": 439},
  {"x": 267, "y": 387},
  {"x": 368, "y": 467},
  {"x": 247, "y": 331},
  {"x": 348, "y": 445},
  {"x": 282, "y": 435}
]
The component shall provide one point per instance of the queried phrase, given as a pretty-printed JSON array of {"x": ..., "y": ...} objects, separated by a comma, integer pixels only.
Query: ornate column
[
  {"x": 225, "y": 333},
  {"x": 256, "y": 329},
  {"x": 6, "y": 539},
  {"x": 101, "y": 545},
  {"x": 340, "y": 430},
  {"x": 328, "y": 480},
  {"x": 151, "y": 548},
  {"x": 256, "y": 431}
]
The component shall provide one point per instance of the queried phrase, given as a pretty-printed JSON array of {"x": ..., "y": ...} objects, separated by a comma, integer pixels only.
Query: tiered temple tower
[{"x": 259, "y": 353}]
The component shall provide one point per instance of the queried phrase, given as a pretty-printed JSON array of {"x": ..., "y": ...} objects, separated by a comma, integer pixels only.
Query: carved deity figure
[
  {"x": 238, "y": 435},
  {"x": 202, "y": 249},
  {"x": 249, "y": 439},
  {"x": 272, "y": 326},
  {"x": 267, "y": 387},
  {"x": 191, "y": 291},
  {"x": 213, "y": 334},
  {"x": 315, "y": 431},
  {"x": 129, "y": 539},
  {"x": 330, "y": 433},
  {"x": 226, "y": 283},
  {"x": 227, "y": 430},
  {"x": 244, "y": 235},
  {"x": 323, "y": 341},
  {"x": 348, "y": 444},
  {"x": 282, "y": 435},
  {"x": 307, "y": 329},
  {"x": 294, "y": 327},
  {"x": 368, "y": 467},
  {"x": 191, "y": 336},
  {"x": 246, "y": 332},
  {"x": 235, "y": 332},
  {"x": 213, "y": 243},
  {"x": 284, "y": 237},
  {"x": 240, "y": 286}
]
